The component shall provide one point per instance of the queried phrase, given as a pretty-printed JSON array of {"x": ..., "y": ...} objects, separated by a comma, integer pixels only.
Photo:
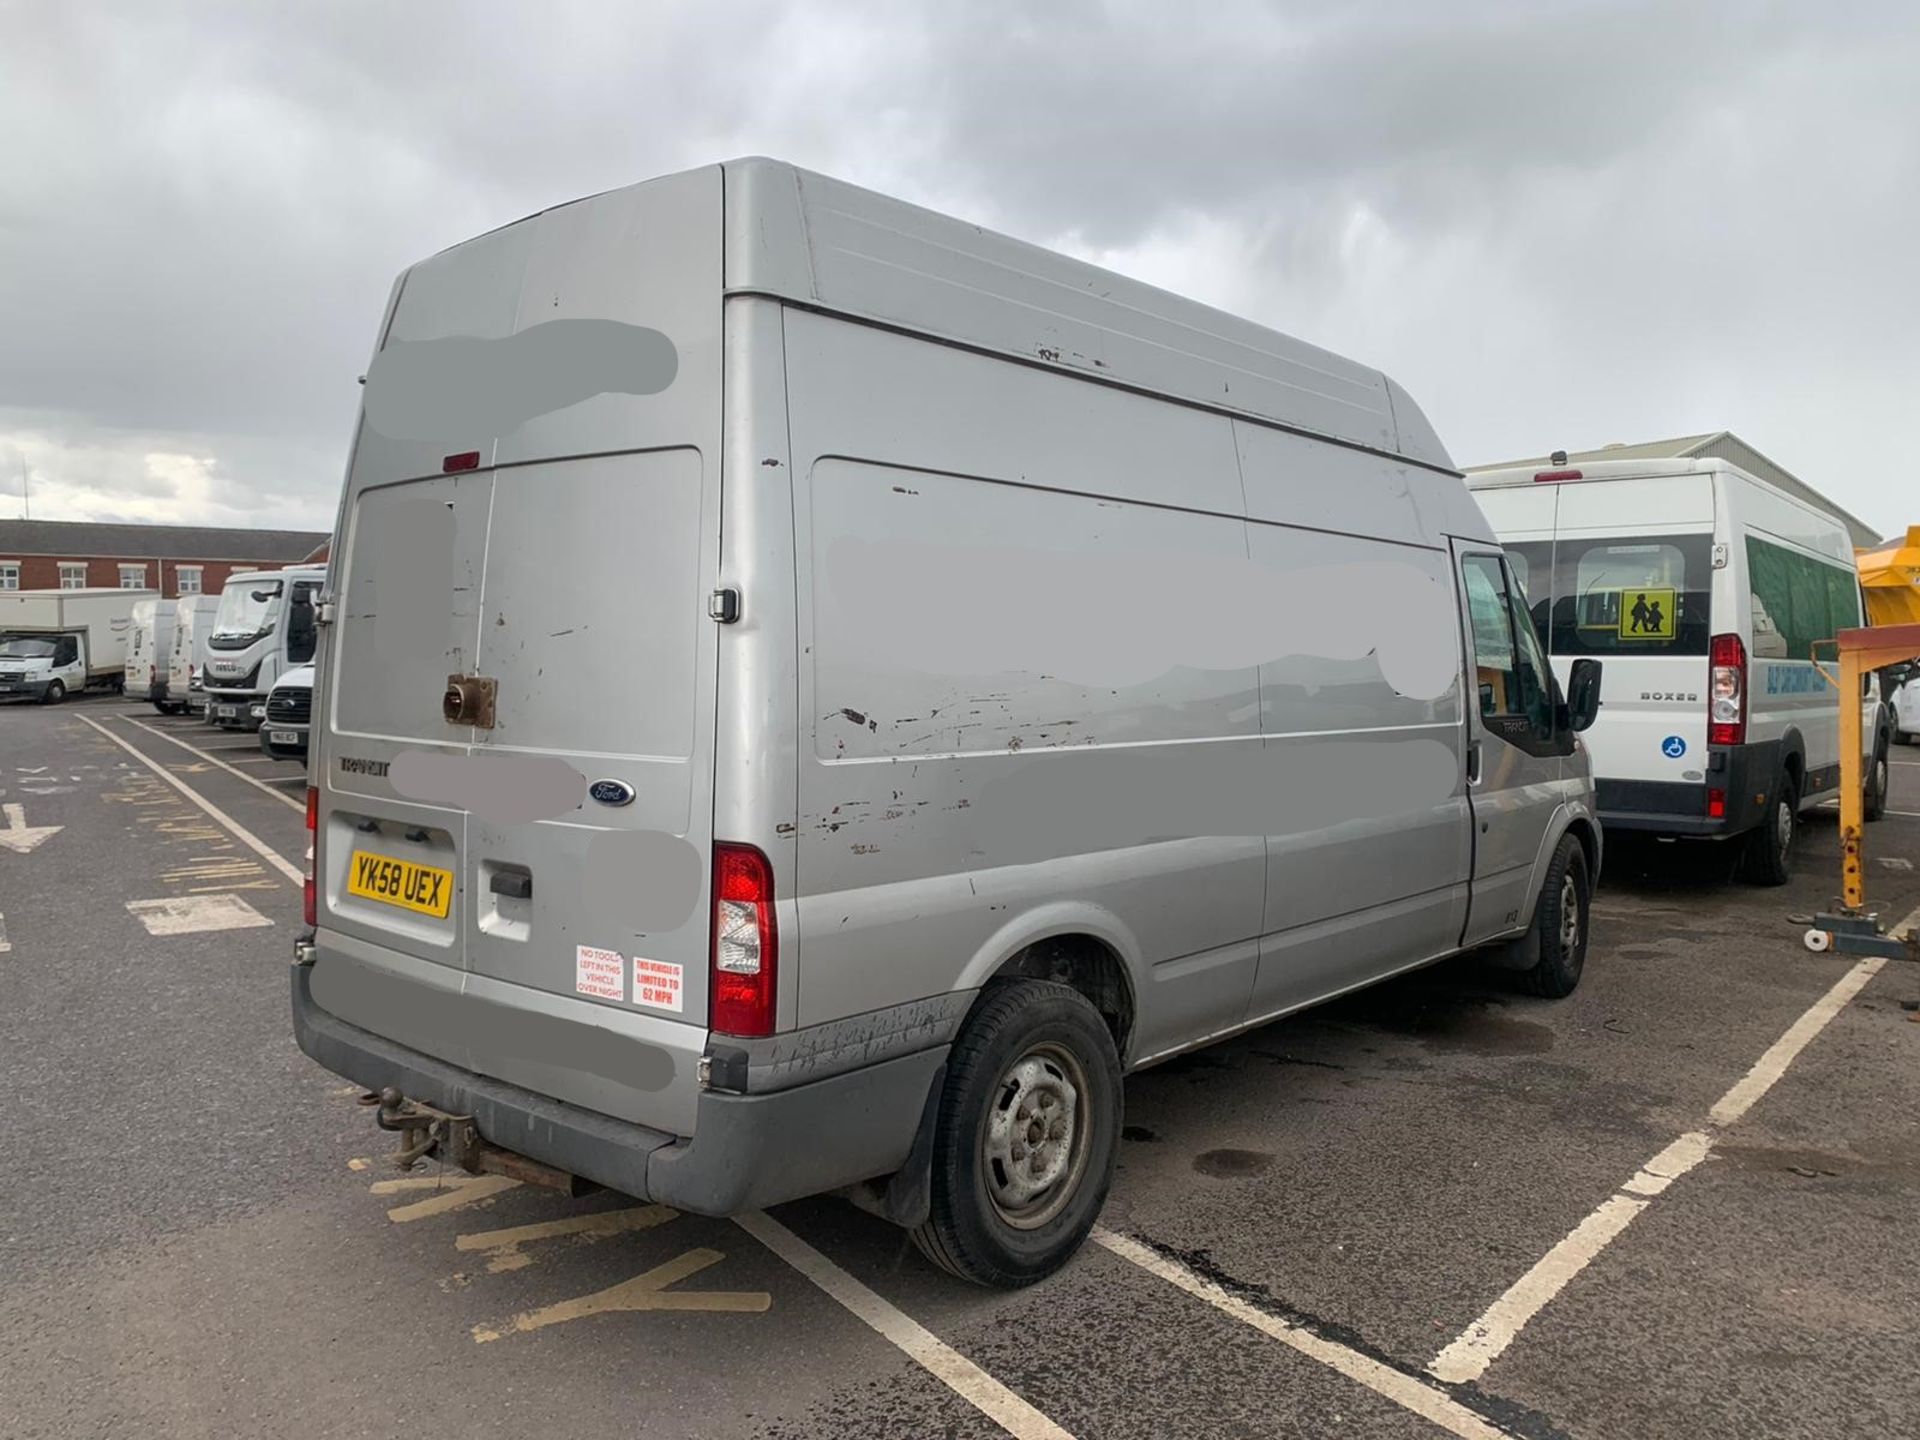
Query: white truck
[
  {"x": 263, "y": 628},
  {"x": 54, "y": 642},
  {"x": 149, "y": 643},
  {"x": 187, "y": 660}
]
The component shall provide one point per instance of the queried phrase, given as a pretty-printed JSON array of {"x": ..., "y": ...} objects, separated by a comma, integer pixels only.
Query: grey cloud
[{"x": 1555, "y": 224}]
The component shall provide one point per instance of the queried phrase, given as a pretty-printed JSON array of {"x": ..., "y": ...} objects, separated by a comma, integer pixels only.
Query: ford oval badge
[{"x": 611, "y": 792}]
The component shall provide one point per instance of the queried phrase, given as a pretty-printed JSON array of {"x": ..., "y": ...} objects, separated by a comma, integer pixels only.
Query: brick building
[{"x": 173, "y": 559}]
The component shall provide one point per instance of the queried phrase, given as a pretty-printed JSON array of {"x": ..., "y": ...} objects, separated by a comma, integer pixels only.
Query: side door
[
  {"x": 1515, "y": 754},
  {"x": 69, "y": 663}
]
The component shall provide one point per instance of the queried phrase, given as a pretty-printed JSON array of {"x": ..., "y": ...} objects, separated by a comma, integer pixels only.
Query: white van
[
  {"x": 187, "y": 659},
  {"x": 1705, "y": 588},
  {"x": 149, "y": 644},
  {"x": 812, "y": 691}
]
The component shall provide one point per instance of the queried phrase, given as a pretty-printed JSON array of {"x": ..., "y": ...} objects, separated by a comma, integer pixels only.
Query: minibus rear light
[
  {"x": 1727, "y": 691},
  {"x": 1549, "y": 477}
]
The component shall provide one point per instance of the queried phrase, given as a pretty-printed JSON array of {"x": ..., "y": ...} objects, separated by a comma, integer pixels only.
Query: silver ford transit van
[{"x": 812, "y": 692}]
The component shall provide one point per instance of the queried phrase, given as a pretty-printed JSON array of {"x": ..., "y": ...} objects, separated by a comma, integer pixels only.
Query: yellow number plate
[{"x": 400, "y": 882}]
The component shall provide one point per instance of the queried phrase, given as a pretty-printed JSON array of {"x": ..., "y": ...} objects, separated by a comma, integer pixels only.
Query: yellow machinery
[
  {"x": 1853, "y": 929},
  {"x": 1890, "y": 579}
]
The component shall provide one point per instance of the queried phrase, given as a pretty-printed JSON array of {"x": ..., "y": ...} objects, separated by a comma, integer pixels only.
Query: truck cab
[
  {"x": 264, "y": 627},
  {"x": 41, "y": 667}
]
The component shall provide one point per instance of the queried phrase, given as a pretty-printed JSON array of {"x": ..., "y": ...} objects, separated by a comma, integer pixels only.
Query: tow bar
[{"x": 426, "y": 1132}]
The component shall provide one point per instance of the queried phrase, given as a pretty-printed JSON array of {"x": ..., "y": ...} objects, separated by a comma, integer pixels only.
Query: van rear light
[
  {"x": 1716, "y": 804},
  {"x": 746, "y": 947},
  {"x": 1550, "y": 477},
  {"x": 310, "y": 892},
  {"x": 1727, "y": 692},
  {"x": 465, "y": 460}
]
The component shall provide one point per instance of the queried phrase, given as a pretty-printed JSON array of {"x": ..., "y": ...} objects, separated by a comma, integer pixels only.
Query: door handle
[{"x": 1473, "y": 762}]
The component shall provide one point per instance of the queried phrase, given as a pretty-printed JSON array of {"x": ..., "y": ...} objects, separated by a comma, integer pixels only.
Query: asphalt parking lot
[{"x": 1682, "y": 1202}]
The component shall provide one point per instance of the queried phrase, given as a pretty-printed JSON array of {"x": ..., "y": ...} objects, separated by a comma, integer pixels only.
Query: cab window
[{"x": 1511, "y": 673}]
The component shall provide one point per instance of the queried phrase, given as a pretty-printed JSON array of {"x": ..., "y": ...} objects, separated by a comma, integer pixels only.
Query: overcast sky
[{"x": 1558, "y": 224}]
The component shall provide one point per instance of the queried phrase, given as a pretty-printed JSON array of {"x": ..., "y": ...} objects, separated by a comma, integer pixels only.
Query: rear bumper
[
  {"x": 1745, "y": 773},
  {"x": 749, "y": 1151}
]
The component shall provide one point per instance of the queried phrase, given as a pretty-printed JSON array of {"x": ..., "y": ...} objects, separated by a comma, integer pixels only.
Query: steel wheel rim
[
  {"x": 1033, "y": 1139},
  {"x": 1880, "y": 778},
  {"x": 1569, "y": 917},
  {"x": 1783, "y": 828}
]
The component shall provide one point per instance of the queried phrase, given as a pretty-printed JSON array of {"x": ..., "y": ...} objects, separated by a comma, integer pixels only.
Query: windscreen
[
  {"x": 23, "y": 648},
  {"x": 1619, "y": 595},
  {"x": 246, "y": 609}
]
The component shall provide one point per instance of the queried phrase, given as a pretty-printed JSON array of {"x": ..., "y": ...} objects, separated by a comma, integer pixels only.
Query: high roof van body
[{"x": 811, "y": 692}]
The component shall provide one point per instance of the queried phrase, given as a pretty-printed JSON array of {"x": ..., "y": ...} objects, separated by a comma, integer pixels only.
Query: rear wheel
[
  {"x": 1026, "y": 1136},
  {"x": 1769, "y": 854},
  {"x": 1878, "y": 778},
  {"x": 56, "y": 692},
  {"x": 1560, "y": 924}
]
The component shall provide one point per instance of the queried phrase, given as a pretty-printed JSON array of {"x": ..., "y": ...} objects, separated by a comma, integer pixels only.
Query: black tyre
[
  {"x": 55, "y": 693},
  {"x": 1768, "y": 859},
  {"x": 1560, "y": 924},
  {"x": 1026, "y": 1137},
  {"x": 1879, "y": 776}
]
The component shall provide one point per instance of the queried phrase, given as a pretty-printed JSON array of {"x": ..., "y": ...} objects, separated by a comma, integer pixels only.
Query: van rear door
[
  {"x": 1632, "y": 586},
  {"x": 533, "y": 511}
]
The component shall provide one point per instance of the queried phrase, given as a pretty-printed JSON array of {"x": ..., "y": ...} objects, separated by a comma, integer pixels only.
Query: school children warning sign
[{"x": 1647, "y": 613}]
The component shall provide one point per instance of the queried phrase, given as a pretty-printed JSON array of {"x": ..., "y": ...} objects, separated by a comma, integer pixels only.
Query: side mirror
[{"x": 1583, "y": 694}]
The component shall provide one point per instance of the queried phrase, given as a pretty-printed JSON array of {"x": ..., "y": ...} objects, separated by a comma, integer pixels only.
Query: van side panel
[
  {"x": 966, "y": 781},
  {"x": 1378, "y": 878},
  {"x": 1787, "y": 696}
]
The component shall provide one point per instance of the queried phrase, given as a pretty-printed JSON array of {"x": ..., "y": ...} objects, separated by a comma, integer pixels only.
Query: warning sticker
[
  {"x": 657, "y": 983},
  {"x": 599, "y": 973},
  {"x": 1648, "y": 614}
]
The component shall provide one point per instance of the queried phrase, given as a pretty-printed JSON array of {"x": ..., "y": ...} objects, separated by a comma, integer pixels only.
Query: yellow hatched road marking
[
  {"x": 456, "y": 1192},
  {"x": 503, "y": 1250},
  {"x": 643, "y": 1292}
]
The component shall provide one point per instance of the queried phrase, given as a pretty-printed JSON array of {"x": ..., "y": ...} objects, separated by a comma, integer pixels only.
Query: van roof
[
  {"x": 1682, "y": 455},
  {"x": 811, "y": 240}
]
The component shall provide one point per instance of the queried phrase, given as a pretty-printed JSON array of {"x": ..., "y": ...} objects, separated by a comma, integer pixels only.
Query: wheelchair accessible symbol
[{"x": 1673, "y": 747}]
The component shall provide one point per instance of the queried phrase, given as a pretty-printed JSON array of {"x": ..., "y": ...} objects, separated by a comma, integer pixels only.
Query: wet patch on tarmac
[{"x": 1232, "y": 1164}]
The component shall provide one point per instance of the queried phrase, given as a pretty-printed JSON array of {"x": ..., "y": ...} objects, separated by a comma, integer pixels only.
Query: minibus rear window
[{"x": 1639, "y": 595}]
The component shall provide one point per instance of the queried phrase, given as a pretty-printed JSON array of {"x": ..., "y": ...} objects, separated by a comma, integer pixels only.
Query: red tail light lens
[
  {"x": 1727, "y": 692},
  {"x": 1716, "y": 804},
  {"x": 1550, "y": 477},
  {"x": 311, "y": 897},
  {"x": 746, "y": 947}
]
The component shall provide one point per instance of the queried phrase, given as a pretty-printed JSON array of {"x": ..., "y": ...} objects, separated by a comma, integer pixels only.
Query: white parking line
[
  {"x": 253, "y": 842},
  {"x": 1483, "y": 1342},
  {"x": 1425, "y": 1400},
  {"x": 922, "y": 1346},
  {"x": 300, "y": 805}
]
